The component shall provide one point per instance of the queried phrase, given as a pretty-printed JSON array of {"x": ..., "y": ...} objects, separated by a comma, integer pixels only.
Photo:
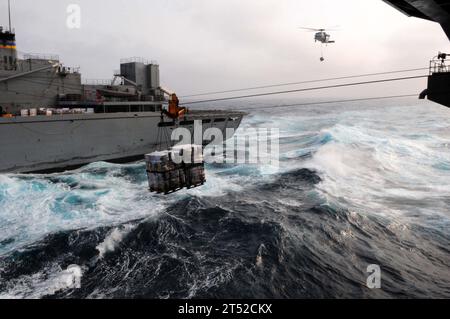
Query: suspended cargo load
[
  {"x": 172, "y": 170},
  {"x": 164, "y": 176}
]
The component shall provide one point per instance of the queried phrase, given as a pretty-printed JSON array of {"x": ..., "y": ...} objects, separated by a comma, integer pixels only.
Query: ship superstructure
[{"x": 40, "y": 81}]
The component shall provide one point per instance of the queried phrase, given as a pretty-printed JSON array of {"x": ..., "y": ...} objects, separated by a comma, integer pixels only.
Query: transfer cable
[
  {"x": 306, "y": 89},
  {"x": 327, "y": 102},
  {"x": 305, "y": 82}
]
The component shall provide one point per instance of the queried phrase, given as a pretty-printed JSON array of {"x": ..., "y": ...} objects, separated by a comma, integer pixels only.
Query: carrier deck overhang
[
  {"x": 438, "y": 89},
  {"x": 433, "y": 10}
]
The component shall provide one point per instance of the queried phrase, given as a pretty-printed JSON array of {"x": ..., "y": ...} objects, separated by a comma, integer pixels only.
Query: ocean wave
[{"x": 356, "y": 186}]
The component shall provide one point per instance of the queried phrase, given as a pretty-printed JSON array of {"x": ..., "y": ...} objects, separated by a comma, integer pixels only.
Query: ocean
[{"x": 359, "y": 184}]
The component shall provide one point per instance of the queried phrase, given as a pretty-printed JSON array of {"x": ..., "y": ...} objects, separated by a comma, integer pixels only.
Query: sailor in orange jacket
[{"x": 175, "y": 111}]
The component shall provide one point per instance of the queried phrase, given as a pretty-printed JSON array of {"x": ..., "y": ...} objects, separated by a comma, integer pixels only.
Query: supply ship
[{"x": 51, "y": 121}]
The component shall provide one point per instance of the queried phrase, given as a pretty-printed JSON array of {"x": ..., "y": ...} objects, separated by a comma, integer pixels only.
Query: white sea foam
[
  {"x": 44, "y": 283},
  {"x": 36, "y": 205},
  {"x": 113, "y": 239},
  {"x": 391, "y": 172}
]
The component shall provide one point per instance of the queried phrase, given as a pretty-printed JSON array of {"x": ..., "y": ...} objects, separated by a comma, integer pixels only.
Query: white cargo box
[{"x": 157, "y": 157}]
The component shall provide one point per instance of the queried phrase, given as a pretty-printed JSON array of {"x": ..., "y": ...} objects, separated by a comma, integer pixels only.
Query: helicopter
[{"x": 321, "y": 36}]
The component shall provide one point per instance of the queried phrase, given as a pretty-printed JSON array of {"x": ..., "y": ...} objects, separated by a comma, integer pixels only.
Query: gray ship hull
[{"x": 56, "y": 143}]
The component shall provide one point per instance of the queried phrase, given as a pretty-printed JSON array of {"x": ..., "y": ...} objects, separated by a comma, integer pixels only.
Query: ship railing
[
  {"x": 439, "y": 66},
  {"x": 7, "y": 66},
  {"x": 69, "y": 70},
  {"x": 138, "y": 60},
  {"x": 40, "y": 56},
  {"x": 96, "y": 82}
]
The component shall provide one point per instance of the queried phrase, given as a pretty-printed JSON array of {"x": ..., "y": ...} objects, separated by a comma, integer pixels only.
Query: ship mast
[{"x": 9, "y": 15}]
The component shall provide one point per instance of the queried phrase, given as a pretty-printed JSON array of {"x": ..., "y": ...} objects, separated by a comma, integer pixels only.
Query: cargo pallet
[
  {"x": 174, "y": 190},
  {"x": 195, "y": 185},
  {"x": 165, "y": 176}
]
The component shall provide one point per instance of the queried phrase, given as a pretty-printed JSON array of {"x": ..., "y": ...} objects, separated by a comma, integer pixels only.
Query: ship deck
[{"x": 194, "y": 114}]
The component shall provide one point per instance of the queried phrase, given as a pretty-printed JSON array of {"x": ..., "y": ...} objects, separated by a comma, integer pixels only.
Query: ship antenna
[{"x": 9, "y": 15}]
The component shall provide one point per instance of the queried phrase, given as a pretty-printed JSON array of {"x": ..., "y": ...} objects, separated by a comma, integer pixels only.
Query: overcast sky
[{"x": 205, "y": 45}]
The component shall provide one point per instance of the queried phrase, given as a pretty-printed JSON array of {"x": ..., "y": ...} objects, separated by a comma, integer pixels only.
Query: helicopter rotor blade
[{"x": 310, "y": 29}]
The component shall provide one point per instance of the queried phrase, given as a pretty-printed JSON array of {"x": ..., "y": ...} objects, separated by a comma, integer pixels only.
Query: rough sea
[{"x": 359, "y": 184}]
